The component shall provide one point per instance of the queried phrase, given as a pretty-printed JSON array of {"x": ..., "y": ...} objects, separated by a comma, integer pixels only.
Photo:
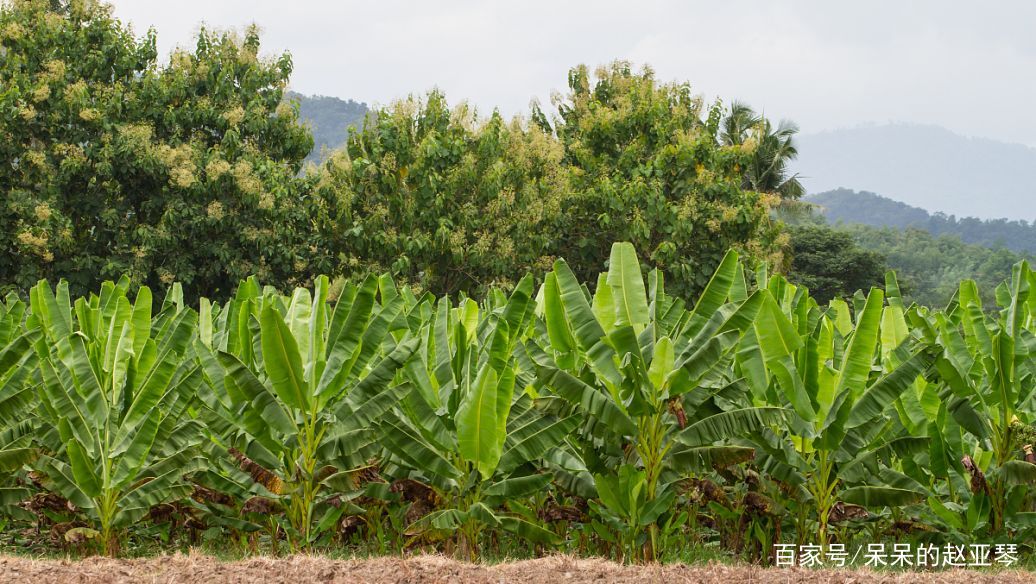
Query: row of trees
[
  {"x": 192, "y": 170},
  {"x": 452, "y": 202}
]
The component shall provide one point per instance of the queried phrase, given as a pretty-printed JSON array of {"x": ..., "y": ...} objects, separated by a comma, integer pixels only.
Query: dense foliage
[
  {"x": 450, "y": 201},
  {"x": 931, "y": 267},
  {"x": 851, "y": 207},
  {"x": 376, "y": 417},
  {"x": 114, "y": 164},
  {"x": 831, "y": 264},
  {"x": 190, "y": 171},
  {"x": 648, "y": 166},
  {"x": 442, "y": 199}
]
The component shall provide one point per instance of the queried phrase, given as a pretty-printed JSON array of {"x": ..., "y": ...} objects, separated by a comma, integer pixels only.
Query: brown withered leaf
[
  {"x": 554, "y": 512},
  {"x": 162, "y": 513},
  {"x": 842, "y": 511},
  {"x": 368, "y": 474},
  {"x": 758, "y": 504},
  {"x": 704, "y": 491},
  {"x": 422, "y": 498},
  {"x": 907, "y": 527},
  {"x": 259, "y": 474},
  {"x": 411, "y": 490},
  {"x": 48, "y": 501},
  {"x": 676, "y": 408},
  {"x": 261, "y": 505},
  {"x": 206, "y": 495},
  {"x": 978, "y": 480}
]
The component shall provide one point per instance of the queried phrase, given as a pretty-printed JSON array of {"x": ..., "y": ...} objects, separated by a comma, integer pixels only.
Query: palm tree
[
  {"x": 739, "y": 124},
  {"x": 774, "y": 152},
  {"x": 774, "y": 149}
]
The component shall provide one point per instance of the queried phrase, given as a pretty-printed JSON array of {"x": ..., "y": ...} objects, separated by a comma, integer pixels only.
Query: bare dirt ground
[{"x": 555, "y": 570}]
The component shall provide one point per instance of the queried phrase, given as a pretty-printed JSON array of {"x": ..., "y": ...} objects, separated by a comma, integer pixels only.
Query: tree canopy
[
  {"x": 648, "y": 167},
  {"x": 453, "y": 201},
  {"x": 191, "y": 169},
  {"x": 115, "y": 164},
  {"x": 831, "y": 264},
  {"x": 442, "y": 198}
]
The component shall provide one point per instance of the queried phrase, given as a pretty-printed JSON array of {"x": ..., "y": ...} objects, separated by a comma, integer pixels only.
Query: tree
[
  {"x": 738, "y": 124},
  {"x": 442, "y": 198},
  {"x": 772, "y": 149},
  {"x": 647, "y": 167},
  {"x": 454, "y": 202},
  {"x": 831, "y": 265},
  {"x": 186, "y": 171}
]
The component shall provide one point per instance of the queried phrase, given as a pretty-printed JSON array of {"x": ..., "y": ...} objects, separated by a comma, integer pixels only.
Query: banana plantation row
[{"x": 625, "y": 422}]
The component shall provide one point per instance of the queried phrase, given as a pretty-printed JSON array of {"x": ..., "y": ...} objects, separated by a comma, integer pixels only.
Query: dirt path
[{"x": 556, "y": 570}]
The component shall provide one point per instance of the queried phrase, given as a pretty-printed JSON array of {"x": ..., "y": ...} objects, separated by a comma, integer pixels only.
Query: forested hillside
[
  {"x": 865, "y": 208},
  {"x": 836, "y": 258},
  {"x": 329, "y": 119},
  {"x": 930, "y": 267}
]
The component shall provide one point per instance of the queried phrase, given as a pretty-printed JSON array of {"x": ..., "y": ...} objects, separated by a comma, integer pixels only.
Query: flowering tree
[
  {"x": 649, "y": 167},
  {"x": 443, "y": 198},
  {"x": 114, "y": 164}
]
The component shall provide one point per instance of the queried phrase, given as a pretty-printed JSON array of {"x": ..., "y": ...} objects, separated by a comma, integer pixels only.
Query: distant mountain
[
  {"x": 925, "y": 166},
  {"x": 864, "y": 208},
  {"x": 329, "y": 118}
]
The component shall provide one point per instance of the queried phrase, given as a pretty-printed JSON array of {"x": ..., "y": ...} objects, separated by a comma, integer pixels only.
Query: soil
[{"x": 553, "y": 570}]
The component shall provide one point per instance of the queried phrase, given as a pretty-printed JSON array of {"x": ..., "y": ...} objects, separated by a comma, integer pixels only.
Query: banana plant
[
  {"x": 843, "y": 441},
  {"x": 625, "y": 508},
  {"x": 17, "y": 399},
  {"x": 115, "y": 390},
  {"x": 297, "y": 387},
  {"x": 652, "y": 377},
  {"x": 12, "y": 314},
  {"x": 470, "y": 430},
  {"x": 988, "y": 366}
]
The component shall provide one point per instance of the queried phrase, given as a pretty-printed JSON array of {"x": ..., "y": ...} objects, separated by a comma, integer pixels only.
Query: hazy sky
[{"x": 968, "y": 66}]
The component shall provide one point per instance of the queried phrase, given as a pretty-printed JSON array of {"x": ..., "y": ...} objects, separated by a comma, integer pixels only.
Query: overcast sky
[{"x": 968, "y": 66}]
